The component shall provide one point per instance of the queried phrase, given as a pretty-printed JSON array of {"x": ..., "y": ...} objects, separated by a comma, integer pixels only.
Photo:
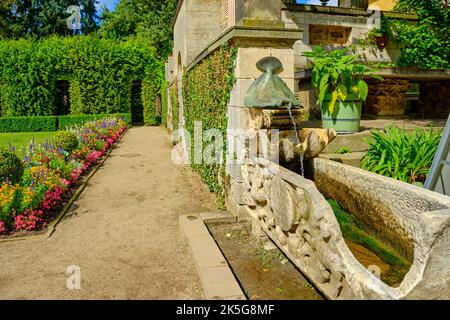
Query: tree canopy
[
  {"x": 151, "y": 19},
  {"x": 40, "y": 18}
]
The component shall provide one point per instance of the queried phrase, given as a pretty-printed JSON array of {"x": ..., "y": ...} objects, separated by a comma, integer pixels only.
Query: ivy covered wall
[
  {"x": 173, "y": 94},
  {"x": 206, "y": 92}
]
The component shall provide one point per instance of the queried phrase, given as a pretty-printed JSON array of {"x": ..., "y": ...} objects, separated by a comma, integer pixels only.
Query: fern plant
[{"x": 402, "y": 155}]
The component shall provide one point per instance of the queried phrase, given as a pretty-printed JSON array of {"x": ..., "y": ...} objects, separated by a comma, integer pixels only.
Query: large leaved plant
[{"x": 338, "y": 75}]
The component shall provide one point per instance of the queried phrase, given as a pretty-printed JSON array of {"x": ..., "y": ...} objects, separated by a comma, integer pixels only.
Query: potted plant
[{"x": 342, "y": 89}]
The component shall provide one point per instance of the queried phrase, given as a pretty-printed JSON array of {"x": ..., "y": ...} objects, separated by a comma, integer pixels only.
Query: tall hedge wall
[
  {"x": 100, "y": 73},
  {"x": 206, "y": 92}
]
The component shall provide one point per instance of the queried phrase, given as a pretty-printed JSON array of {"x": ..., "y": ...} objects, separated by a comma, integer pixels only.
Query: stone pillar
[
  {"x": 308, "y": 96},
  {"x": 252, "y": 45},
  {"x": 386, "y": 98},
  {"x": 434, "y": 99}
]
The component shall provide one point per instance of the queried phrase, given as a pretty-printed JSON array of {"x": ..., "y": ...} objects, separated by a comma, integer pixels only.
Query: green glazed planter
[{"x": 346, "y": 116}]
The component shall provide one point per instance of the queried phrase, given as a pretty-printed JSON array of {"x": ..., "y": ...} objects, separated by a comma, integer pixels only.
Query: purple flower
[
  {"x": 11, "y": 148},
  {"x": 7, "y": 180},
  {"x": 26, "y": 158}
]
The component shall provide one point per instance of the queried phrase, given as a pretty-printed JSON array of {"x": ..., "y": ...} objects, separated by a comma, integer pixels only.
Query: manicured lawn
[{"x": 18, "y": 139}]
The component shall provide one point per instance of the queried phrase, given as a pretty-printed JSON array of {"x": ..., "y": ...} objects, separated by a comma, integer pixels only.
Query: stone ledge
[
  {"x": 215, "y": 275},
  {"x": 252, "y": 36},
  {"x": 292, "y": 7},
  {"x": 351, "y": 159},
  {"x": 217, "y": 217}
]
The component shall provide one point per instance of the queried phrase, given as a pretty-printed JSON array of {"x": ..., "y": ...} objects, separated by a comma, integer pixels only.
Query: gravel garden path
[{"x": 122, "y": 232}]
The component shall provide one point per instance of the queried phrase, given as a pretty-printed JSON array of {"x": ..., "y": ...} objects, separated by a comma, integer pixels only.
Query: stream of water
[{"x": 302, "y": 167}]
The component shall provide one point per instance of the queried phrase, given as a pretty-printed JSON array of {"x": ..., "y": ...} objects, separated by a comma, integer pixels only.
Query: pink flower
[
  {"x": 2, "y": 227},
  {"x": 29, "y": 220}
]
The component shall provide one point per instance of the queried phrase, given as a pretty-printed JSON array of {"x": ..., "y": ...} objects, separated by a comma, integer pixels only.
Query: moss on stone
[{"x": 350, "y": 230}]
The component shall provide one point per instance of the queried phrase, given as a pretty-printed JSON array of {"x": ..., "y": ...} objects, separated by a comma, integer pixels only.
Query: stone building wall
[
  {"x": 197, "y": 24},
  {"x": 434, "y": 99},
  {"x": 350, "y": 29}
]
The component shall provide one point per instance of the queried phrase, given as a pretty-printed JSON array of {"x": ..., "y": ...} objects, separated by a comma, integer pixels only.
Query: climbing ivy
[
  {"x": 425, "y": 44},
  {"x": 173, "y": 92},
  {"x": 206, "y": 92},
  {"x": 164, "y": 102}
]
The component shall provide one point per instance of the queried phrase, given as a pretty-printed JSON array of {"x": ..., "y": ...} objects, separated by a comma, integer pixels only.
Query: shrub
[
  {"x": 28, "y": 124},
  {"x": 402, "y": 155},
  {"x": 11, "y": 168},
  {"x": 66, "y": 140}
]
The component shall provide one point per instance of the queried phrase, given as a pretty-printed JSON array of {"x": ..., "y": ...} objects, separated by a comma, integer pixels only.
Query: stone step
[
  {"x": 217, "y": 279},
  {"x": 218, "y": 217},
  {"x": 352, "y": 159},
  {"x": 354, "y": 142}
]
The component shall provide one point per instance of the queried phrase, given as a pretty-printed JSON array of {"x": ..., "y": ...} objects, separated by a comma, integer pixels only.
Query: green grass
[{"x": 23, "y": 139}]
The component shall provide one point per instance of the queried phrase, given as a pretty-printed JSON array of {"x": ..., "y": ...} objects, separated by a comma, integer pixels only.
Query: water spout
[{"x": 302, "y": 167}]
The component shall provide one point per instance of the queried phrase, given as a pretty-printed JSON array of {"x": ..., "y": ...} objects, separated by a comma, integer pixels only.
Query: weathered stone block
[
  {"x": 387, "y": 98},
  {"x": 246, "y": 62},
  {"x": 248, "y": 57}
]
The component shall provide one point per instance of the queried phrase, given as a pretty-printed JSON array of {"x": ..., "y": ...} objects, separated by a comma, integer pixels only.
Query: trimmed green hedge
[
  {"x": 28, "y": 124},
  {"x": 149, "y": 92},
  {"x": 68, "y": 121},
  {"x": 50, "y": 123},
  {"x": 100, "y": 72}
]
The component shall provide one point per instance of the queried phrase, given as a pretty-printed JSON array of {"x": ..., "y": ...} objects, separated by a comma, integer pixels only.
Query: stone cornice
[
  {"x": 292, "y": 7},
  {"x": 252, "y": 37}
]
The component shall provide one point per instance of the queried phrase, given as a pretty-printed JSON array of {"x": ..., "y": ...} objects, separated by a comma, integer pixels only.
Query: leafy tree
[
  {"x": 19, "y": 18},
  {"x": 425, "y": 44},
  {"x": 5, "y": 17},
  {"x": 151, "y": 19}
]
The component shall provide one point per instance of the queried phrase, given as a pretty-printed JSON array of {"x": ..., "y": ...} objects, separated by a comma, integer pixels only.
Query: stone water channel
[{"x": 289, "y": 204}]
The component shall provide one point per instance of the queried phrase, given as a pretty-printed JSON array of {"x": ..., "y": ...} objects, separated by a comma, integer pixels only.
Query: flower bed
[{"x": 50, "y": 176}]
